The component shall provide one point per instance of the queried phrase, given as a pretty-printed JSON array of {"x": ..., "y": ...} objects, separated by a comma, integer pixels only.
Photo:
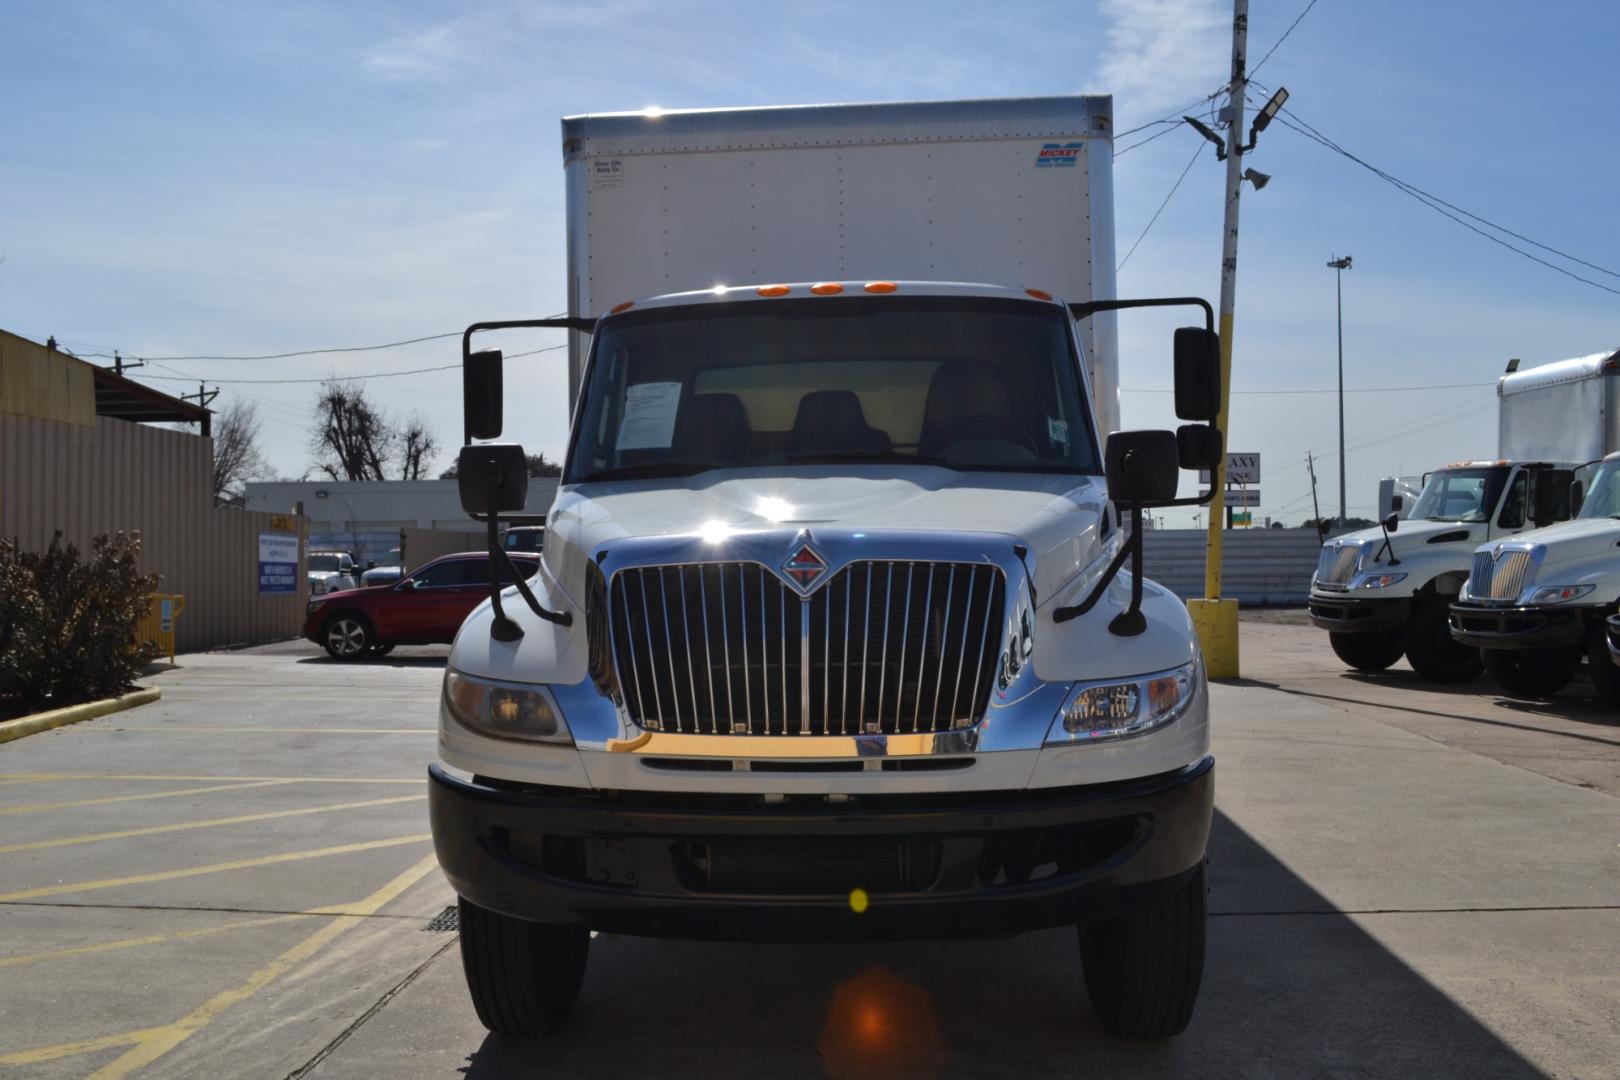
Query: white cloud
[
  {"x": 1161, "y": 54},
  {"x": 429, "y": 53}
]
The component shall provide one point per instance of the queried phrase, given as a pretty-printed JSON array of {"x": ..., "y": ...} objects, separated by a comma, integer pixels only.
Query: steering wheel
[{"x": 1004, "y": 429}]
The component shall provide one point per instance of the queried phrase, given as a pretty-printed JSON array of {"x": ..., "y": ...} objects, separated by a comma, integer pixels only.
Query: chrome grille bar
[{"x": 1482, "y": 575}]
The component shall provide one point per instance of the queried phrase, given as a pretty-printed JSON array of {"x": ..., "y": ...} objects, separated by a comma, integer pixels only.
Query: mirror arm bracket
[
  {"x": 1129, "y": 622},
  {"x": 500, "y": 565}
]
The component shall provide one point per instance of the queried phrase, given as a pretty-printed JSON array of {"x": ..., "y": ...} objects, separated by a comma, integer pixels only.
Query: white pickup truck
[{"x": 840, "y": 631}]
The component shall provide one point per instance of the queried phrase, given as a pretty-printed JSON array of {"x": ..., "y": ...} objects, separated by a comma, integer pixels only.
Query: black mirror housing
[
  {"x": 1397, "y": 503},
  {"x": 493, "y": 478},
  {"x": 1142, "y": 467},
  {"x": 1577, "y": 497},
  {"x": 482, "y": 407},
  {"x": 1392, "y": 522},
  {"x": 1550, "y": 496},
  {"x": 1198, "y": 373},
  {"x": 1198, "y": 446}
]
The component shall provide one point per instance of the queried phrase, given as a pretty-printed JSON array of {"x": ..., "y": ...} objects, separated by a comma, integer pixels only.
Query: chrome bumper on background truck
[
  {"x": 1548, "y": 626},
  {"x": 737, "y": 868},
  {"x": 1344, "y": 614}
]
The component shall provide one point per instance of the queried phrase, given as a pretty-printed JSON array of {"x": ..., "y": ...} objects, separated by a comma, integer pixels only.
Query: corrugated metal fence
[
  {"x": 111, "y": 475},
  {"x": 1259, "y": 566}
]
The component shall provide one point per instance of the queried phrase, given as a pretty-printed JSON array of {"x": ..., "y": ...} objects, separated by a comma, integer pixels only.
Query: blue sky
[{"x": 198, "y": 178}]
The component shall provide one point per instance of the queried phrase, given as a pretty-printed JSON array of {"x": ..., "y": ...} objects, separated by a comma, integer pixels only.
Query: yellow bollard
[{"x": 1216, "y": 622}]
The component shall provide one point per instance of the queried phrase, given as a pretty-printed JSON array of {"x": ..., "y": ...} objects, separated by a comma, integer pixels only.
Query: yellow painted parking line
[
  {"x": 37, "y": 807},
  {"x": 150, "y": 939},
  {"x": 209, "y": 823},
  {"x": 215, "y": 868},
  {"x": 156, "y": 1042},
  {"x": 78, "y": 1046},
  {"x": 30, "y": 778},
  {"x": 180, "y": 729}
]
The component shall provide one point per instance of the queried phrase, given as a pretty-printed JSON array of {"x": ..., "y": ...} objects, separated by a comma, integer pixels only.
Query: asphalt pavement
[{"x": 237, "y": 881}]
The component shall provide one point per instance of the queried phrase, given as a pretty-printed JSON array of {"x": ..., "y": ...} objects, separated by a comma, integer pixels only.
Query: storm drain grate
[{"x": 447, "y": 921}]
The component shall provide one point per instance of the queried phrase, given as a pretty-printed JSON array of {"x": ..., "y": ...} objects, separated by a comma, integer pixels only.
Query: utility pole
[
  {"x": 1339, "y": 266},
  {"x": 1316, "y": 511}
]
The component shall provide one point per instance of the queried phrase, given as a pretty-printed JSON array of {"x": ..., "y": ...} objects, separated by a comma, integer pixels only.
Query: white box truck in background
[
  {"x": 831, "y": 639},
  {"x": 1381, "y": 593},
  {"x": 1535, "y": 605}
]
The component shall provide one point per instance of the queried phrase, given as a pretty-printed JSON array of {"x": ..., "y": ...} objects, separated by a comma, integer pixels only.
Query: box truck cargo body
[
  {"x": 1008, "y": 192},
  {"x": 840, "y": 631}
]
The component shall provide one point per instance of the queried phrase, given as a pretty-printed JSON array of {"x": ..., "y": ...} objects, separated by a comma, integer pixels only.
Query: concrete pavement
[{"x": 1395, "y": 893}]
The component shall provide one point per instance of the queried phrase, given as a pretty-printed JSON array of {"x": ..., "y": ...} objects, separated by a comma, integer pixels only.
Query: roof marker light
[
  {"x": 626, "y": 306},
  {"x": 1039, "y": 294},
  {"x": 880, "y": 286},
  {"x": 826, "y": 288},
  {"x": 773, "y": 290}
]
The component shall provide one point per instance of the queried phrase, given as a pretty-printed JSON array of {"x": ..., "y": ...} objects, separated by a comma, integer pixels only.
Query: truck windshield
[
  {"x": 323, "y": 563},
  {"x": 1460, "y": 494},
  {"x": 972, "y": 384},
  {"x": 1603, "y": 494}
]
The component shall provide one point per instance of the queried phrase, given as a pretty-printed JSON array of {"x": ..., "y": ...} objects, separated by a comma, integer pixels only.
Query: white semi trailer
[
  {"x": 834, "y": 637},
  {"x": 1387, "y": 592},
  {"x": 1535, "y": 605}
]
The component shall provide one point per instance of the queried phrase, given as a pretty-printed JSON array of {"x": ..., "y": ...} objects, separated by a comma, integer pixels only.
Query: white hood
[
  {"x": 1056, "y": 517},
  {"x": 1569, "y": 544}
]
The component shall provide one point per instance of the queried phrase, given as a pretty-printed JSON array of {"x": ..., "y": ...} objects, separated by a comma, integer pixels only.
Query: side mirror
[
  {"x": 1550, "y": 496},
  {"x": 493, "y": 478},
  {"x": 1142, "y": 466},
  {"x": 1392, "y": 522},
  {"x": 1397, "y": 504},
  {"x": 1198, "y": 373},
  {"x": 1198, "y": 445},
  {"x": 482, "y": 408},
  {"x": 1577, "y": 497}
]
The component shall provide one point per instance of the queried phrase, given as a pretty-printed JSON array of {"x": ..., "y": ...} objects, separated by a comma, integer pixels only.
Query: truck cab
[
  {"x": 1383, "y": 593},
  {"x": 832, "y": 640},
  {"x": 1535, "y": 604}
]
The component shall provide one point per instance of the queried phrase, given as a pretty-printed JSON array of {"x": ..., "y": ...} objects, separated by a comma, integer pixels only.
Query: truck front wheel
[
  {"x": 1531, "y": 673},
  {"x": 1366, "y": 652},
  {"x": 1143, "y": 968},
  {"x": 1433, "y": 652},
  {"x": 523, "y": 977},
  {"x": 1605, "y": 674}
]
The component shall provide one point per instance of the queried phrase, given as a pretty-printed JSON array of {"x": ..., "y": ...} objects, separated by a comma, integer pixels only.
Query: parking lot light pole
[{"x": 1339, "y": 266}]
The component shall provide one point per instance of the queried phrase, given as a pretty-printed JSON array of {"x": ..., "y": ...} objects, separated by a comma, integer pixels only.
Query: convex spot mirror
[
  {"x": 481, "y": 405},
  {"x": 1142, "y": 466},
  {"x": 1392, "y": 522},
  {"x": 1198, "y": 446},
  {"x": 493, "y": 478},
  {"x": 1198, "y": 373}
]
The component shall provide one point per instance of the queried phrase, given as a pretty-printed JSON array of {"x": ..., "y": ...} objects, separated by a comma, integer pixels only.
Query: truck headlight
[
  {"x": 1111, "y": 710},
  {"x": 1559, "y": 594},
  {"x": 1378, "y": 581},
  {"x": 504, "y": 710}
]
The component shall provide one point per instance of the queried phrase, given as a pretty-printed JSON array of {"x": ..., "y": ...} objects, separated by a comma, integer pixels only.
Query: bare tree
[
  {"x": 417, "y": 448},
  {"x": 539, "y": 465},
  {"x": 236, "y": 451},
  {"x": 352, "y": 438}
]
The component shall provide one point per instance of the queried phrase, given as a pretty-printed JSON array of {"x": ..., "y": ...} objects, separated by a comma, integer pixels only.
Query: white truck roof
[{"x": 1016, "y": 192}]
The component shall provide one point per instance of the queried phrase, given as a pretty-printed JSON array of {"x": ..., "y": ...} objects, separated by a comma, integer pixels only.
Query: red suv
[{"x": 426, "y": 608}]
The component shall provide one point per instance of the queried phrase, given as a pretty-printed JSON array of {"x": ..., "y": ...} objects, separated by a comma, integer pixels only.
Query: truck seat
[
  {"x": 833, "y": 422},
  {"x": 712, "y": 428}
]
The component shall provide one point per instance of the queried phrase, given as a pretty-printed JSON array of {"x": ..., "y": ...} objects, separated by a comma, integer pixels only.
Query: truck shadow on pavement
[{"x": 1293, "y": 987}]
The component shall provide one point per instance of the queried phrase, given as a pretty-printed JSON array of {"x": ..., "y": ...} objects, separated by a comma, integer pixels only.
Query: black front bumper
[
  {"x": 970, "y": 864},
  {"x": 1548, "y": 627},
  {"x": 1344, "y": 614}
]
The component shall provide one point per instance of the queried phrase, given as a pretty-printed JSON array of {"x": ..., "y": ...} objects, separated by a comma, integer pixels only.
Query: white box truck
[
  {"x": 1535, "y": 604},
  {"x": 834, "y": 637},
  {"x": 1386, "y": 592}
]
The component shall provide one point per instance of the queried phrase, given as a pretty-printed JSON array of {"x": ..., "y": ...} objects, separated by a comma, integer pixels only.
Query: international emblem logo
[{"x": 804, "y": 567}]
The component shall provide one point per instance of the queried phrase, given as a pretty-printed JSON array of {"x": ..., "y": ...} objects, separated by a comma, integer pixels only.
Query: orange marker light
[
  {"x": 774, "y": 290},
  {"x": 1039, "y": 294},
  {"x": 881, "y": 286},
  {"x": 826, "y": 288},
  {"x": 626, "y": 306}
]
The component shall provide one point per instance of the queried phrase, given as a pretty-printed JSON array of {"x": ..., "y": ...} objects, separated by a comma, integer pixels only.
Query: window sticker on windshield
[
  {"x": 649, "y": 416},
  {"x": 1057, "y": 431}
]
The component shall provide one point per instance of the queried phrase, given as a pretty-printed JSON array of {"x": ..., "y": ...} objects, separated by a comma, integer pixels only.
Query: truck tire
[
  {"x": 523, "y": 977},
  {"x": 1431, "y": 650},
  {"x": 1531, "y": 673},
  {"x": 1366, "y": 652},
  {"x": 1605, "y": 674},
  {"x": 347, "y": 636},
  {"x": 1143, "y": 968}
]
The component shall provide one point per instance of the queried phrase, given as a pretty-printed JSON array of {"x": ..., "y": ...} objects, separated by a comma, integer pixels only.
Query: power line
[
  {"x": 339, "y": 378},
  {"x": 1282, "y": 39},
  {"x": 1173, "y": 117},
  {"x": 1440, "y": 206},
  {"x": 1197, "y": 150},
  {"x": 1157, "y": 134}
]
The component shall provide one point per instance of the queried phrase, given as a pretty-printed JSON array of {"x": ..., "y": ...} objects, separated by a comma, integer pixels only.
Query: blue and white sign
[{"x": 278, "y": 562}]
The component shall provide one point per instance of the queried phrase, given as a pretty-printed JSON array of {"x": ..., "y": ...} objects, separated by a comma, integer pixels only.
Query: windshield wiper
[
  {"x": 855, "y": 457},
  {"x": 647, "y": 470}
]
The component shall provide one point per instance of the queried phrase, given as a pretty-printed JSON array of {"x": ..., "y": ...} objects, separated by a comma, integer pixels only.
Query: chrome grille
[
  {"x": 1337, "y": 565},
  {"x": 884, "y": 647},
  {"x": 1500, "y": 578}
]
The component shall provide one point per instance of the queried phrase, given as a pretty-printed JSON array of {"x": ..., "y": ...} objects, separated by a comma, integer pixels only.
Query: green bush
[{"x": 68, "y": 626}]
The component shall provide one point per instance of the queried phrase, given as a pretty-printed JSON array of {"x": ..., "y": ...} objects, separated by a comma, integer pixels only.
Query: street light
[{"x": 1339, "y": 266}]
